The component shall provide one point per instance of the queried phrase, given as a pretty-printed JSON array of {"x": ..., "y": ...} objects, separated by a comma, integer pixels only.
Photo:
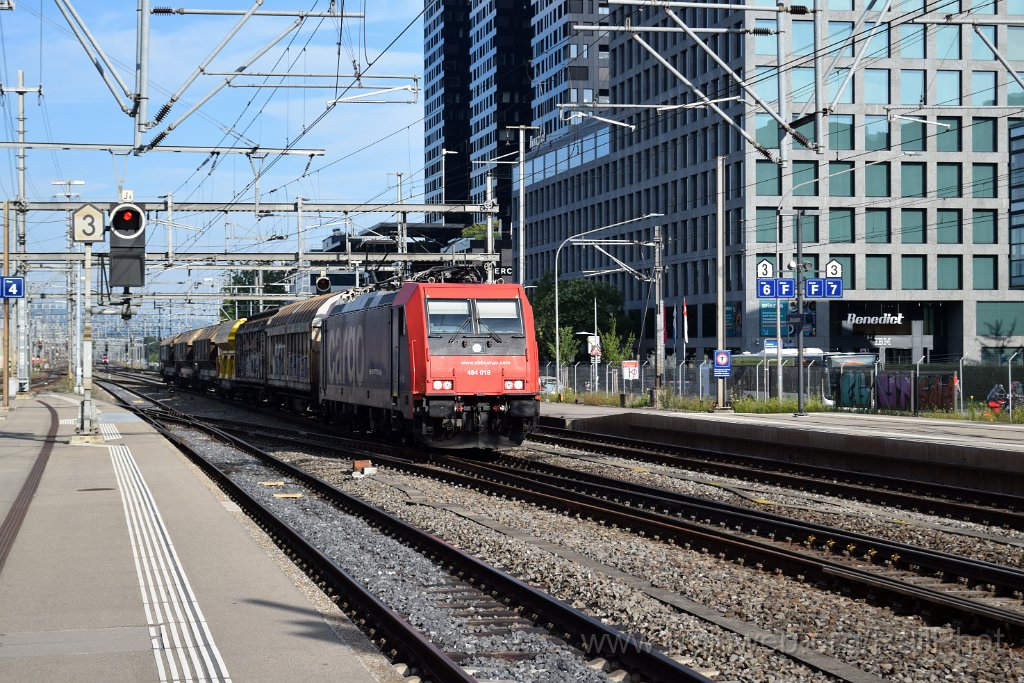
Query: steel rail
[
  {"x": 578, "y": 629},
  {"x": 926, "y": 497},
  {"x": 767, "y": 555},
  {"x": 763, "y": 523}
]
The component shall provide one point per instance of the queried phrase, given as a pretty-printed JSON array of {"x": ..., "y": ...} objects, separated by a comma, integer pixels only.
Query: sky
[{"x": 362, "y": 143}]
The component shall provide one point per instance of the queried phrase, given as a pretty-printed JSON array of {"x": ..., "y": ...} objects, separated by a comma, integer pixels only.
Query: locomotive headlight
[
  {"x": 519, "y": 384},
  {"x": 448, "y": 384},
  {"x": 508, "y": 384},
  {"x": 438, "y": 384}
]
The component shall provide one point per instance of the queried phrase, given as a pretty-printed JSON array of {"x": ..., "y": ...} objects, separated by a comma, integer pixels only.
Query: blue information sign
[
  {"x": 723, "y": 363},
  {"x": 833, "y": 288},
  {"x": 767, "y": 288},
  {"x": 814, "y": 288},
  {"x": 787, "y": 287},
  {"x": 13, "y": 287}
]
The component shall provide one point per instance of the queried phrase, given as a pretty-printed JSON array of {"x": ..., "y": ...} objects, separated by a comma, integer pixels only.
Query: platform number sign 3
[{"x": 87, "y": 224}]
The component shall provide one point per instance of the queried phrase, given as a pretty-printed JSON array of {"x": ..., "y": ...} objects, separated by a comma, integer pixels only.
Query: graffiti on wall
[
  {"x": 855, "y": 389},
  {"x": 934, "y": 391}
]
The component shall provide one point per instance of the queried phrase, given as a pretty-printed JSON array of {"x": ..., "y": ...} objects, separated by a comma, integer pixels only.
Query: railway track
[
  {"x": 980, "y": 595},
  {"x": 476, "y": 597},
  {"x": 945, "y": 501}
]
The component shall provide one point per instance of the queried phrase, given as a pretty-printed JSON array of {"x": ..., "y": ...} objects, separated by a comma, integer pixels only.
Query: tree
[
  {"x": 247, "y": 282},
  {"x": 614, "y": 347},
  {"x": 478, "y": 231},
  {"x": 576, "y": 311}
]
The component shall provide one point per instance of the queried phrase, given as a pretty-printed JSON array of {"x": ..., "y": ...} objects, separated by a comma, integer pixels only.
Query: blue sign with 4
[{"x": 13, "y": 287}]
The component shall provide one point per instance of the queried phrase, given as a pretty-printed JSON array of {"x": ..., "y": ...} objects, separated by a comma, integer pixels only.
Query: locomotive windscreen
[
  {"x": 474, "y": 316},
  {"x": 501, "y": 317}
]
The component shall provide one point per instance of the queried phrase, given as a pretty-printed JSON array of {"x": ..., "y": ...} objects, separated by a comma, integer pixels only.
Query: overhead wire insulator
[
  {"x": 158, "y": 139},
  {"x": 764, "y": 152},
  {"x": 164, "y": 110},
  {"x": 163, "y": 10},
  {"x": 802, "y": 139},
  {"x": 761, "y": 31}
]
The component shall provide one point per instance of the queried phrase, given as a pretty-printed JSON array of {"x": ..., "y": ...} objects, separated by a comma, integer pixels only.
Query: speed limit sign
[{"x": 87, "y": 224}]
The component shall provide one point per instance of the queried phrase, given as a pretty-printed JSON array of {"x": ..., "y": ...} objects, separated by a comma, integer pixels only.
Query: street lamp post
[
  {"x": 558, "y": 252},
  {"x": 521, "y": 237}
]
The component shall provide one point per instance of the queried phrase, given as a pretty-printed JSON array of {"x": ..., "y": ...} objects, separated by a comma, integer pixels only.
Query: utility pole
[
  {"x": 521, "y": 238},
  {"x": 720, "y": 271},
  {"x": 659, "y": 318},
  {"x": 72, "y": 277},
  {"x": 401, "y": 232},
  {"x": 21, "y": 307}
]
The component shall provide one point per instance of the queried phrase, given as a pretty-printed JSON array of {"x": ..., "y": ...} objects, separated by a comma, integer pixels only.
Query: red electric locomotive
[{"x": 451, "y": 365}]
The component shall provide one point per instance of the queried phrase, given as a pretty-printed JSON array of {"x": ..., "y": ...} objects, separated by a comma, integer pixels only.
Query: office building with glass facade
[{"x": 909, "y": 183}]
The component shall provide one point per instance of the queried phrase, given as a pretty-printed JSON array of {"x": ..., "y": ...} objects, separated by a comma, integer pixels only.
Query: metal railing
[{"x": 894, "y": 388}]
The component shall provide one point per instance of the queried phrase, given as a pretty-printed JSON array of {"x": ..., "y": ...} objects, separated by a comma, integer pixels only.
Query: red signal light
[{"x": 128, "y": 215}]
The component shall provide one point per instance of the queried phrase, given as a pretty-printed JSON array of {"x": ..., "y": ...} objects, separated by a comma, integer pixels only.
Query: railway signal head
[
  {"x": 127, "y": 221},
  {"x": 323, "y": 284}
]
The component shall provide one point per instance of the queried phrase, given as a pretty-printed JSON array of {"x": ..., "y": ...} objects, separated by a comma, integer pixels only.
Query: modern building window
[
  {"x": 876, "y": 86},
  {"x": 876, "y": 272},
  {"x": 912, "y": 226},
  {"x": 838, "y": 34},
  {"x": 766, "y": 44},
  {"x": 947, "y": 87},
  {"x": 950, "y": 137},
  {"x": 846, "y": 261},
  {"x": 983, "y": 88},
  {"x": 912, "y": 272},
  {"x": 840, "y": 131},
  {"x": 913, "y": 137},
  {"x": 984, "y": 181},
  {"x": 876, "y": 132},
  {"x": 835, "y": 81},
  {"x": 803, "y": 37},
  {"x": 948, "y": 226},
  {"x": 1014, "y": 42},
  {"x": 1014, "y": 95},
  {"x": 947, "y": 42},
  {"x": 804, "y": 175},
  {"x": 769, "y": 181},
  {"x": 913, "y": 183},
  {"x": 766, "y": 83},
  {"x": 1013, "y": 6},
  {"x": 766, "y": 222},
  {"x": 912, "y": 86},
  {"x": 803, "y": 84},
  {"x": 808, "y": 130},
  {"x": 841, "y": 179},
  {"x": 876, "y": 180},
  {"x": 997, "y": 318},
  {"x": 983, "y": 226},
  {"x": 809, "y": 224},
  {"x": 948, "y": 180},
  {"x": 912, "y": 41},
  {"x": 983, "y": 135},
  {"x": 985, "y": 274},
  {"x": 949, "y": 272},
  {"x": 767, "y": 131},
  {"x": 979, "y": 50},
  {"x": 876, "y": 226},
  {"x": 982, "y": 6},
  {"x": 840, "y": 225},
  {"x": 838, "y": 4}
]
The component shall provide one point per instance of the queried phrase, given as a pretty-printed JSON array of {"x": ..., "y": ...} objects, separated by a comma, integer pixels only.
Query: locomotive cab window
[
  {"x": 500, "y": 317},
  {"x": 448, "y": 315}
]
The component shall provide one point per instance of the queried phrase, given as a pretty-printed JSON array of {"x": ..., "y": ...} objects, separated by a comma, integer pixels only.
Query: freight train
[{"x": 451, "y": 365}]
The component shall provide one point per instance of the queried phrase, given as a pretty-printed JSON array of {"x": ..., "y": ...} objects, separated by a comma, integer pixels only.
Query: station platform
[
  {"x": 120, "y": 561},
  {"x": 982, "y": 455}
]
